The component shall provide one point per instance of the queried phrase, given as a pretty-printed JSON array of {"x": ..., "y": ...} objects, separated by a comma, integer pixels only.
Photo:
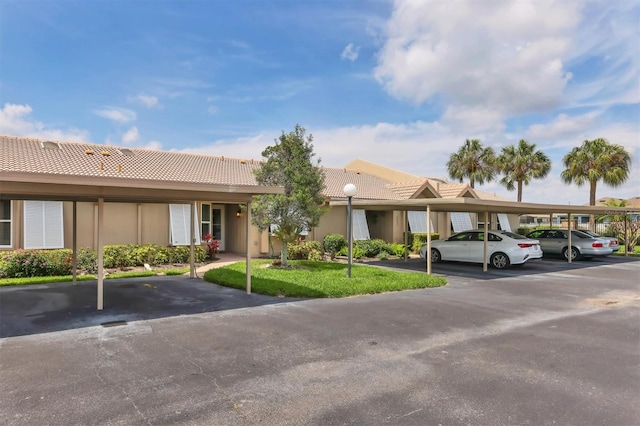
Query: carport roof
[{"x": 475, "y": 205}]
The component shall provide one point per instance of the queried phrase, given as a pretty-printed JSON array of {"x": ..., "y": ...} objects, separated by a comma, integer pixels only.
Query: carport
[
  {"x": 26, "y": 185},
  {"x": 486, "y": 207}
]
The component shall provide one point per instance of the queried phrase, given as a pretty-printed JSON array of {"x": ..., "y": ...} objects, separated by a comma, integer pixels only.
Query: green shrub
[
  {"x": 40, "y": 263},
  {"x": 371, "y": 248},
  {"x": 421, "y": 238},
  {"x": 301, "y": 251},
  {"x": 333, "y": 243},
  {"x": 358, "y": 253},
  {"x": 315, "y": 255},
  {"x": 119, "y": 256},
  {"x": 396, "y": 249},
  {"x": 87, "y": 260},
  {"x": 150, "y": 253},
  {"x": 36, "y": 263}
]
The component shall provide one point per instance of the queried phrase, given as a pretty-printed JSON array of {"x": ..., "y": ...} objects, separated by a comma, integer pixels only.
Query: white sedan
[{"x": 503, "y": 248}]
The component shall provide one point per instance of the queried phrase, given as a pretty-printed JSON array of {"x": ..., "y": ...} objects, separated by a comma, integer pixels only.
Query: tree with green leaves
[
  {"x": 596, "y": 160},
  {"x": 521, "y": 164},
  {"x": 289, "y": 163},
  {"x": 627, "y": 231},
  {"x": 472, "y": 161}
]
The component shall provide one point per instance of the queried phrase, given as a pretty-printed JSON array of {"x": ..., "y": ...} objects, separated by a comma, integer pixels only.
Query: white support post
[
  {"x": 486, "y": 242},
  {"x": 626, "y": 235},
  {"x": 406, "y": 233},
  {"x": 100, "y": 254},
  {"x": 569, "y": 236},
  {"x": 74, "y": 243},
  {"x": 248, "y": 271},
  {"x": 192, "y": 246},
  {"x": 428, "y": 253}
]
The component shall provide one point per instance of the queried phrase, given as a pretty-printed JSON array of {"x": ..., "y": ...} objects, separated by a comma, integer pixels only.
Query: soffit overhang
[{"x": 474, "y": 205}]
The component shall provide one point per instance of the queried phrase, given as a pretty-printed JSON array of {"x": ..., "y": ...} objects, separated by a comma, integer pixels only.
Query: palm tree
[
  {"x": 472, "y": 161},
  {"x": 596, "y": 160},
  {"x": 522, "y": 164}
]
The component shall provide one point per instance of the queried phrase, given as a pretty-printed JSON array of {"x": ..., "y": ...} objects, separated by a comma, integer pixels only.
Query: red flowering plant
[{"x": 212, "y": 245}]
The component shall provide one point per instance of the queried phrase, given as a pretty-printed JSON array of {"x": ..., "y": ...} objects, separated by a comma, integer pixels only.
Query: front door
[{"x": 212, "y": 222}]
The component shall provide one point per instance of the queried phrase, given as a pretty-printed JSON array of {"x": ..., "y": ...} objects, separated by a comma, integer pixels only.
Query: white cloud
[
  {"x": 155, "y": 145},
  {"x": 350, "y": 52},
  {"x": 130, "y": 136},
  {"x": 145, "y": 100},
  {"x": 474, "y": 119},
  {"x": 119, "y": 115},
  {"x": 563, "y": 126},
  {"x": 212, "y": 110},
  {"x": 501, "y": 55},
  {"x": 422, "y": 148},
  {"x": 16, "y": 120}
]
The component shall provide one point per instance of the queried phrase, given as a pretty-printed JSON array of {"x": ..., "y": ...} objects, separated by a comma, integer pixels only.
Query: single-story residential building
[{"x": 47, "y": 223}]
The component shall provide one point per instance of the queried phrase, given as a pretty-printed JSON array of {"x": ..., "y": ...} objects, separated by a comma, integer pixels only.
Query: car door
[
  {"x": 476, "y": 246},
  {"x": 556, "y": 240},
  {"x": 456, "y": 247}
]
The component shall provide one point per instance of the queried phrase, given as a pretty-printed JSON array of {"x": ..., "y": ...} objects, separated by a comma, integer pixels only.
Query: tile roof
[
  {"x": 407, "y": 190},
  {"x": 369, "y": 187},
  {"x": 108, "y": 161},
  {"x": 73, "y": 159},
  {"x": 449, "y": 190}
]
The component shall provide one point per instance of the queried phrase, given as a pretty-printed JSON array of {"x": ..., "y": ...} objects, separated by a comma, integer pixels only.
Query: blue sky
[{"x": 402, "y": 84}]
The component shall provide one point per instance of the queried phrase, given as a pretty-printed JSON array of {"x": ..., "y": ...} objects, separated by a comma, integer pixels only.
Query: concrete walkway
[{"x": 224, "y": 259}]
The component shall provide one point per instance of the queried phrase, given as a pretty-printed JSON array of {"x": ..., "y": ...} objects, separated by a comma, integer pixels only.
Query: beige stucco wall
[{"x": 149, "y": 223}]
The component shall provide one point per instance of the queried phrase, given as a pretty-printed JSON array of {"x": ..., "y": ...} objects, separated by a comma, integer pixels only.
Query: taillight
[
  {"x": 524, "y": 245},
  {"x": 615, "y": 242},
  {"x": 596, "y": 245}
]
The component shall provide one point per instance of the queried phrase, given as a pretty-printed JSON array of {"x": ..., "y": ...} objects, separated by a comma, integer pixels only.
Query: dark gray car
[{"x": 556, "y": 241}]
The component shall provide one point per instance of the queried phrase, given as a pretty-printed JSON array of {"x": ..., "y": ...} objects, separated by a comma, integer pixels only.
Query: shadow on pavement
[
  {"x": 474, "y": 270},
  {"x": 46, "y": 308}
]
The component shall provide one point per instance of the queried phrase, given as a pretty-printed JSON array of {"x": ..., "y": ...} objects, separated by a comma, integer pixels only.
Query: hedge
[{"x": 38, "y": 263}]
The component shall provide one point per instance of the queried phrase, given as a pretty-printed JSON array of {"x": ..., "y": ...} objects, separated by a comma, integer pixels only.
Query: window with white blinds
[
  {"x": 461, "y": 222},
  {"x": 418, "y": 222},
  {"x": 360, "y": 227},
  {"x": 43, "y": 225},
  {"x": 504, "y": 222},
  {"x": 179, "y": 221},
  {"x": 6, "y": 228}
]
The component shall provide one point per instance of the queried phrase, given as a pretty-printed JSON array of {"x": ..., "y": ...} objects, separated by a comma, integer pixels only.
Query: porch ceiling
[{"x": 474, "y": 205}]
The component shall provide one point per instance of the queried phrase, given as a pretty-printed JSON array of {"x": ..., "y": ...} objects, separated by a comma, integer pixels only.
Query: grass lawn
[
  {"x": 634, "y": 252},
  {"x": 68, "y": 278},
  {"x": 319, "y": 279}
]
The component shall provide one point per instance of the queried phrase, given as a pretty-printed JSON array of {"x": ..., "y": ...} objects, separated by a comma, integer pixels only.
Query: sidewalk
[{"x": 224, "y": 259}]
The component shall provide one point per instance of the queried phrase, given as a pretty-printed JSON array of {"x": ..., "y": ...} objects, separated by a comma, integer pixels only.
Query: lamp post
[{"x": 349, "y": 190}]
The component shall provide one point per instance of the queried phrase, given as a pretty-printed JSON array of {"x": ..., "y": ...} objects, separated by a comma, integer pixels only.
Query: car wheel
[
  {"x": 500, "y": 260},
  {"x": 435, "y": 256},
  {"x": 575, "y": 254}
]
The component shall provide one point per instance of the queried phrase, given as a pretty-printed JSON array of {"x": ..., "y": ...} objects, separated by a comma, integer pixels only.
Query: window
[
  {"x": 206, "y": 219},
  {"x": 461, "y": 222},
  {"x": 43, "y": 225},
  {"x": 179, "y": 222},
  {"x": 360, "y": 228},
  {"x": 5, "y": 224},
  {"x": 503, "y": 220},
  {"x": 418, "y": 222},
  {"x": 464, "y": 236}
]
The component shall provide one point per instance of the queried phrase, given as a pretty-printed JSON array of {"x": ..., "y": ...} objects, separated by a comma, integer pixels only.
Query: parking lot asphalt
[{"x": 545, "y": 343}]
